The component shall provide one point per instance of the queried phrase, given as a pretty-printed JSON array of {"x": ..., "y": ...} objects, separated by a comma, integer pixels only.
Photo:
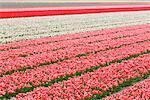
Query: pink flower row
[
  {"x": 31, "y": 50},
  {"x": 38, "y": 59},
  {"x": 139, "y": 91},
  {"x": 91, "y": 83},
  {"x": 44, "y": 74},
  {"x": 66, "y": 37}
]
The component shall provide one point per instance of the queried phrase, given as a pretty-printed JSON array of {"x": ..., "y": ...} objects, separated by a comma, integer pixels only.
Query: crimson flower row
[
  {"x": 44, "y": 74},
  {"x": 92, "y": 83},
  {"x": 61, "y": 38},
  {"x": 139, "y": 91},
  {"x": 47, "y": 58},
  {"x": 31, "y": 50}
]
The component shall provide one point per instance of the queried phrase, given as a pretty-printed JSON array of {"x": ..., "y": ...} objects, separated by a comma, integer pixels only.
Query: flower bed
[
  {"x": 70, "y": 11},
  {"x": 101, "y": 64},
  {"x": 13, "y": 63},
  {"x": 139, "y": 91},
  {"x": 90, "y": 84},
  {"x": 37, "y": 27}
]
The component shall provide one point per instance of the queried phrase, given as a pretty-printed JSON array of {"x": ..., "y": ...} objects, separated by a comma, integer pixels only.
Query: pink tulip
[
  {"x": 76, "y": 86},
  {"x": 139, "y": 91}
]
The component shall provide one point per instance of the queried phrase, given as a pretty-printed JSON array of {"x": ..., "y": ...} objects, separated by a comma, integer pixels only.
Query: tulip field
[{"x": 76, "y": 57}]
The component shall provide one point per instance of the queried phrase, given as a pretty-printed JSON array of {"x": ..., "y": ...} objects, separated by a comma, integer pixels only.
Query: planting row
[
  {"x": 46, "y": 58},
  {"x": 139, "y": 91},
  {"x": 41, "y": 75},
  {"x": 66, "y": 37},
  {"x": 37, "y": 49},
  {"x": 29, "y": 28},
  {"x": 65, "y": 11},
  {"x": 90, "y": 84}
]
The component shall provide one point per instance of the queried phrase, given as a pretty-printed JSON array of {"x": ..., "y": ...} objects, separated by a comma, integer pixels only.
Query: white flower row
[{"x": 16, "y": 29}]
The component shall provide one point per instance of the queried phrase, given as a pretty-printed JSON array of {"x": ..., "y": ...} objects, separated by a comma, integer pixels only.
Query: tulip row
[
  {"x": 139, "y": 91},
  {"x": 37, "y": 77},
  {"x": 31, "y": 50},
  {"x": 92, "y": 84},
  {"x": 47, "y": 58},
  {"x": 30, "y": 28},
  {"x": 61, "y": 38}
]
